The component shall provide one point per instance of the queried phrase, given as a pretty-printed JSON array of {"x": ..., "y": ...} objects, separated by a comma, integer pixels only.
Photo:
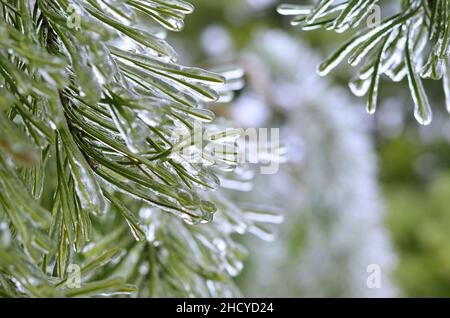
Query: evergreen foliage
[
  {"x": 413, "y": 43},
  {"x": 96, "y": 116}
]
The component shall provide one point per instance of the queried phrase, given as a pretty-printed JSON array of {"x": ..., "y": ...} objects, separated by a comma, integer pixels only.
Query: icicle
[{"x": 293, "y": 9}]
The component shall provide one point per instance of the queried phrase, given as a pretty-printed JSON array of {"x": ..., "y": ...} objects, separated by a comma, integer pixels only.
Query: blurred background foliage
[{"x": 401, "y": 225}]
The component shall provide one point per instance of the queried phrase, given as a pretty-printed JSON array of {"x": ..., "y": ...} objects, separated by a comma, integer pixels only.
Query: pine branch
[
  {"x": 414, "y": 43},
  {"x": 93, "y": 170}
]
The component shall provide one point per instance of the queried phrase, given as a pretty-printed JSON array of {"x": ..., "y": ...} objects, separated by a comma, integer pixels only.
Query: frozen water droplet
[
  {"x": 422, "y": 109},
  {"x": 208, "y": 207},
  {"x": 423, "y": 116}
]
